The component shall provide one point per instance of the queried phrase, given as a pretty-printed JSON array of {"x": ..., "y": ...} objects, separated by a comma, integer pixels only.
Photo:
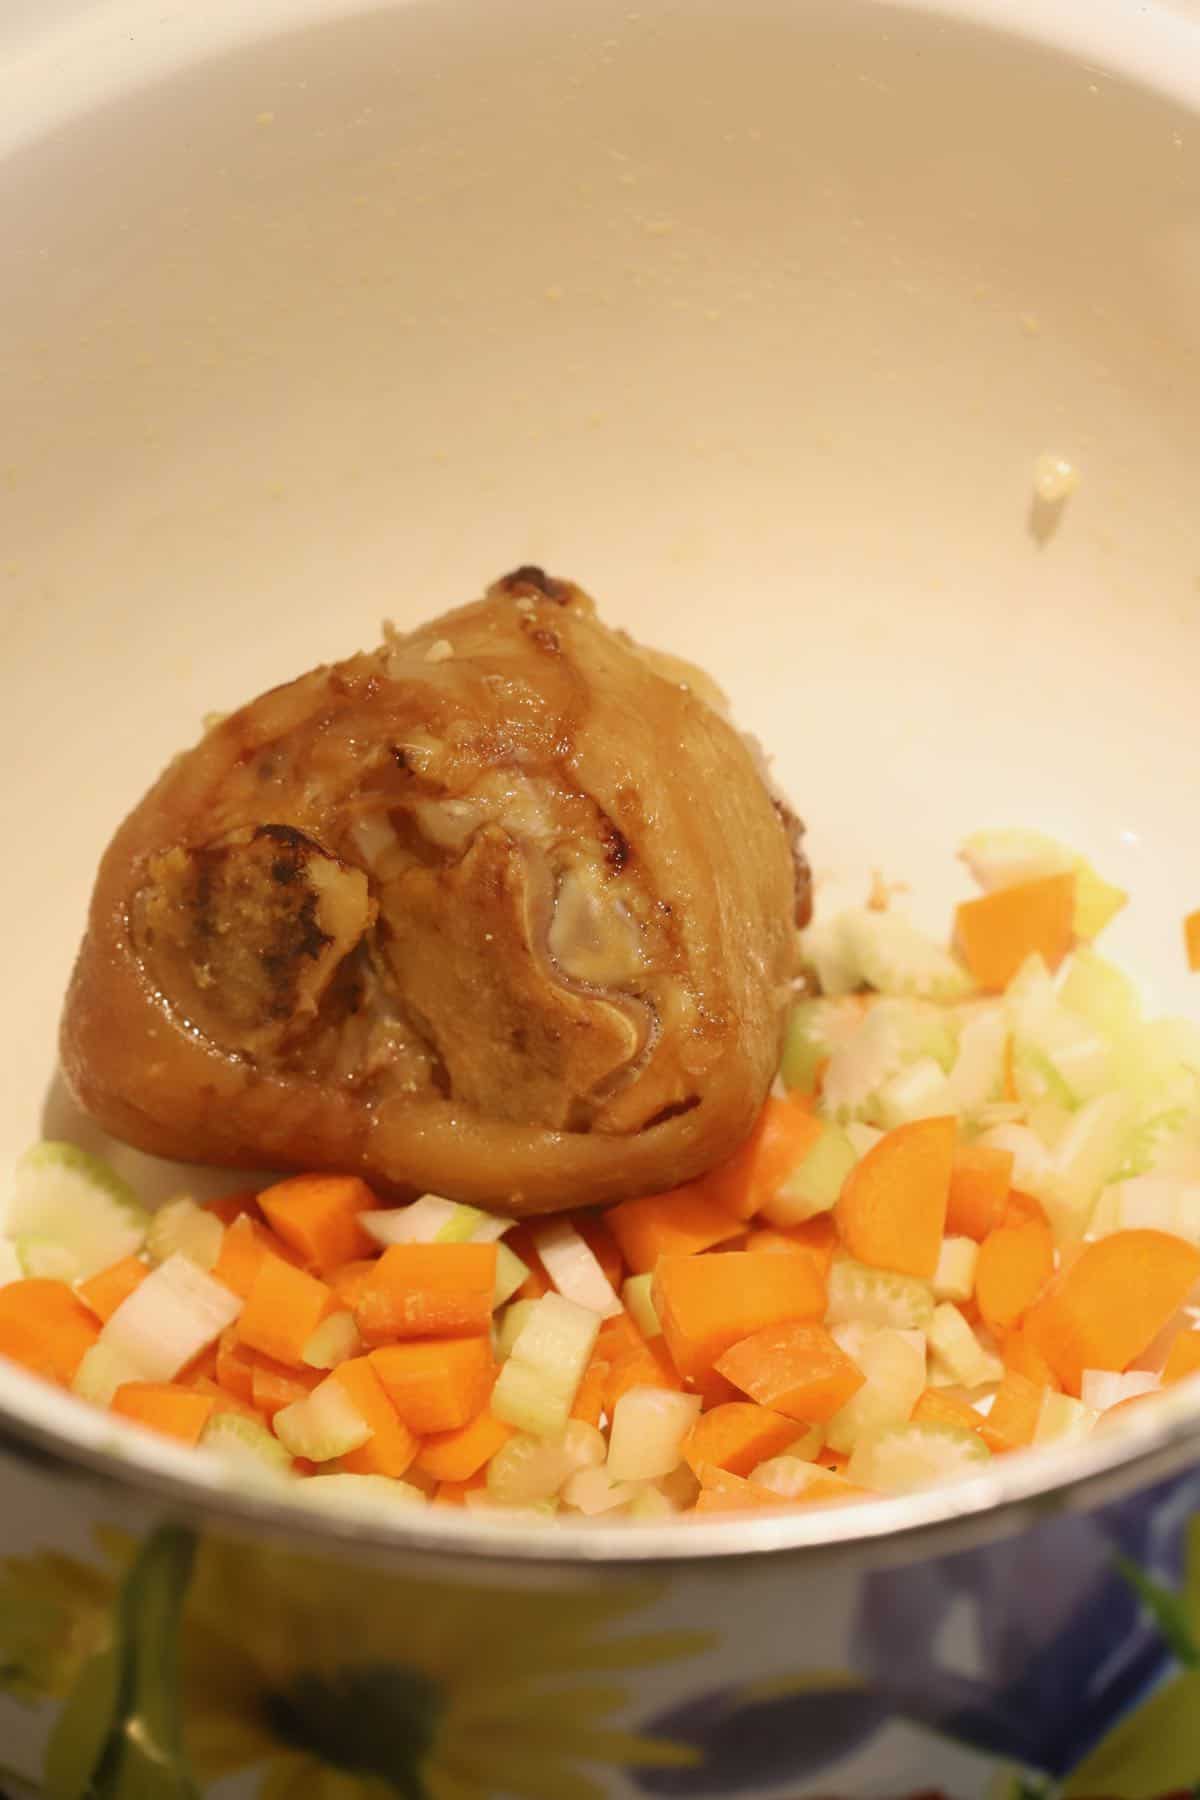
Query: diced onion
[
  {"x": 954, "y": 1277},
  {"x": 894, "y": 1365},
  {"x": 646, "y": 1436},
  {"x": 183, "y": 1226},
  {"x": 175, "y": 1313},
  {"x": 1101, "y": 1388},
  {"x": 572, "y": 1266},
  {"x": 1063, "y": 1420}
]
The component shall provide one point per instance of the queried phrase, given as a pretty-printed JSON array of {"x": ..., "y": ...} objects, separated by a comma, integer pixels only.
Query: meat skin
[{"x": 503, "y": 910}]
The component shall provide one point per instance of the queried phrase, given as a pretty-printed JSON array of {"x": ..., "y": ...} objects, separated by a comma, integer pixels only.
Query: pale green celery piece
[
  {"x": 1030, "y": 998},
  {"x": 858, "y": 1069},
  {"x": 63, "y": 1195},
  {"x": 1037, "y": 1079},
  {"x": 893, "y": 1363},
  {"x": 815, "y": 1028},
  {"x": 858, "y": 1294},
  {"x": 557, "y": 1339},
  {"x": 512, "y": 1322},
  {"x": 1100, "y": 994},
  {"x": 1049, "y": 1121},
  {"x": 791, "y": 1476},
  {"x": 650, "y": 1504},
  {"x": 977, "y": 1076},
  {"x": 958, "y": 1351},
  {"x": 527, "y": 1468},
  {"x": 241, "y": 1440},
  {"x": 102, "y": 1370},
  {"x": 824, "y": 950},
  {"x": 1063, "y": 1420},
  {"x": 510, "y": 1274},
  {"x": 334, "y": 1341},
  {"x": 526, "y": 1397},
  {"x": 640, "y": 1305},
  {"x": 360, "y": 1493},
  {"x": 1086, "y": 1157},
  {"x": 901, "y": 1459},
  {"x": 1086, "y": 1063},
  {"x": 1097, "y": 901},
  {"x": 920, "y": 1091},
  {"x": 462, "y": 1224},
  {"x": 894, "y": 957},
  {"x": 183, "y": 1226},
  {"x": 815, "y": 1184},
  {"x": 46, "y": 1259},
  {"x": 1152, "y": 1139},
  {"x": 324, "y": 1425}
]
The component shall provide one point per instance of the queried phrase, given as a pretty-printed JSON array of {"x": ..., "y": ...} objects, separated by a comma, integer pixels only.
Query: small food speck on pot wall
[{"x": 503, "y": 908}]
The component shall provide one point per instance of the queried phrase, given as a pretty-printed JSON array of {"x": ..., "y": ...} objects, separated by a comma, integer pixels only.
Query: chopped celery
[
  {"x": 823, "y": 949},
  {"x": 462, "y": 1225},
  {"x": 527, "y": 1469},
  {"x": 977, "y": 1076},
  {"x": 954, "y": 1277},
  {"x": 174, "y": 1314},
  {"x": 511, "y": 1274},
  {"x": 1150, "y": 1203},
  {"x": 1155, "y": 1140},
  {"x": 862, "y": 1137},
  {"x": 525, "y": 1397},
  {"x": 791, "y": 1477},
  {"x": 571, "y": 1265},
  {"x": 1037, "y": 1077},
  {"x": 892, "y": 956},
  {"x": 649, "y": 1504},
  {"x": 64, "y": 1197},
  {"x": 512, "y": 1321},
  {"x": 322, "y": 1426},
  {"x": 640, "y": 1306},
  {"x": 359, "y": 1493},
  {"x": 894, "y": 1365},
  {"x": 815, "y": 1029},
  {"x": 1084, "y": 1159},
  {"x": 900, "y": 1459},
  {"x": 858, "y": 1068},
  {"x": 101, "y": 1372},
  {"x": 1100, "y": 994},
  {"x": 10, "y": 1263},
  {"x": 557, "y": 1337},
  {"x": 183, "y": 1226},
  {"x": 245, "y": 1443},
  {"x": 861, "y": 1295},
  {"x": 46, "y": 1259},
  {"x": 959, "y": 1358},
  {"x": 816, "y": 1182},
  {"x": 920, "y": 1091},
  {"x": 334, "y": 1341},
  {"x": 1097, "y": 902},
  {"x": 1062, "y": 1420},
  {"x": 645, "y": 1439}
]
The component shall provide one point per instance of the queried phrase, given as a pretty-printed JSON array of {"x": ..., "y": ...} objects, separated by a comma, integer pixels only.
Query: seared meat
[{"x": 503, "y": 909}]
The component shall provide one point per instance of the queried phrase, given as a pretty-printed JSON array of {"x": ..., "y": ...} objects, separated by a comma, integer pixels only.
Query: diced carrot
[
  {"x": 685, "y": 1220},
  {"x": 235, "y": 1366},
  {"x": 244, "y": 1247},
  {"x": 589, "y": 1395},
  {"x": 392, "y": 1447},
  {"x": 648, "y": 1366},
  {"x": 454, "y": 1493},
  {"x": 595, "y": 1232},
  {"x": 460, "y": 1454},
  {"x": 1015, "y": 1263},
  {"x": 436, "y": 1384},
  {"x": 815, "y": 1238},
  {"x": 282, "y": 1310},
  {"x": 273, "y": 1385},
  {"x": 938, "y": 1407},
  {"x": 722, "y": 1492},
  {"x": 1191, "y": 939},
  {"x": 782, "y": 1137},
  {"x": 537, "y": 1282},
  {"x": 318, "y": 1216},
  {"x": 1021, "y": 1357},
  {"x": 45, "y": 1328},
  {"x": 996, "y": 932},
  {"x": 203, "y": 1363},
  {"x": 351, "y": 1278},
  {"x": 617, "y": 1337},
  {"x": 103, "y": 1293},
  {"x": 228, "y": 1207},
  {"x": 892, "y": 1209},
  {"x": 163, "y": 1407},
  {"x": 1183, "y": 1358},
  {"x": 428, "y": 1290},
  {"x": 714, "y": 1390},
  {"x": 737, "y": 1437},
  {"x": 798, "y": 1370},
  {"x": 980, "y": 1178},
  {"x": 708, "y": 1303},
  {"x": 1112, "y": 1302},
  {"x": 1013, "y": 1416},
  {"x": 836, "y": 1461}
]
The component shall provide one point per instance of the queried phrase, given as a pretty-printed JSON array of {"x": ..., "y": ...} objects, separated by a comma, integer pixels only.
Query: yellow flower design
[{"x": 344, "y": 1684}]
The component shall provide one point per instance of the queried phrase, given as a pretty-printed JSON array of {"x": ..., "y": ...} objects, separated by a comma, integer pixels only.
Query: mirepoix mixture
[{"x": 615, "y": 1195}]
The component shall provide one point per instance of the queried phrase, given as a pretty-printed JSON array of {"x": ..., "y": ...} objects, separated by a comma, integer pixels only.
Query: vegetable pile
[{"x": 967, "y": 1222}]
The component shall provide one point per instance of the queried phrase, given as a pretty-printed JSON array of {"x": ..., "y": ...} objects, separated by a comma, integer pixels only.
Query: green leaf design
[
  {"x": 1170, "y": 1612},
  {"x": 1153, "y": 1751},
  {"x": 120, "y": 1735}
]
